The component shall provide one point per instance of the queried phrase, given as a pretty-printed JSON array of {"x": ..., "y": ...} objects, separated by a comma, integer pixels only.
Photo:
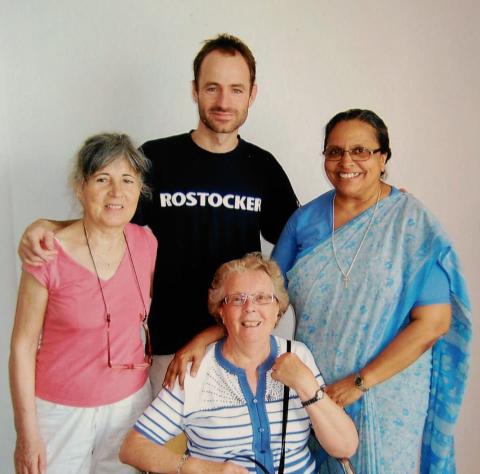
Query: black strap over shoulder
[{"x": 286, "y": 393}]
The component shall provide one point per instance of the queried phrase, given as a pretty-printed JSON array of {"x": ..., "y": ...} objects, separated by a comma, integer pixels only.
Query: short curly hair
[{"x": 250, "y": 262}]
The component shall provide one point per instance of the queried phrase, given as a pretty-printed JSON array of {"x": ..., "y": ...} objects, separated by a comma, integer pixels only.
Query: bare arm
[
  {"x": 193, "y": 351},
  {"x": 428, "y": 323},
  {"x": 30, "y": 454},
  {"x": 334, "y": 429},
  {"x": 36, "y": 244},
  {"x": 143, "y": 454}
]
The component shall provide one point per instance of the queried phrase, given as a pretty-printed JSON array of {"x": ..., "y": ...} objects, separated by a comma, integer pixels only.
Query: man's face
[{"x": 223, "y": 92}]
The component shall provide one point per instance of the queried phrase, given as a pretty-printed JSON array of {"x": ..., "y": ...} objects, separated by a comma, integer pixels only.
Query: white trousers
[
  {"x": 158, "y": 371},
  {"x": 87, "y": 440}
]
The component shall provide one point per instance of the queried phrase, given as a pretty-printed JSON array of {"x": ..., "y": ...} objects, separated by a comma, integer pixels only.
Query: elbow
[
  {"x": 439, "y": 330},
  {"x": 123, "y": 455},
  {"x": 347, "y": 448},
  {"x": 126, "y": 451},
  {"x": 341, "y": 442}
]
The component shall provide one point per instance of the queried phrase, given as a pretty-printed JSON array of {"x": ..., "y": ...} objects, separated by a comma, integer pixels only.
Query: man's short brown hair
[{"x": 227, "y": 44}]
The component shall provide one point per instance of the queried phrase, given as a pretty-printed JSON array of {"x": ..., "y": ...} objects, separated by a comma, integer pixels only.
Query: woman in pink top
[{"x": 80, "y": 348}]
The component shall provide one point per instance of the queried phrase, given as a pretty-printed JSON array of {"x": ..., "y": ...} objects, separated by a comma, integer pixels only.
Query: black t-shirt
[{"x": 207, "y": 208}]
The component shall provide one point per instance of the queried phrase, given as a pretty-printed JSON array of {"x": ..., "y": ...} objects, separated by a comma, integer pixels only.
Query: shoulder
[
  {"x": 152, "y": 147},
  {"x": 193, "y": 385},
  {"x": 137, "y": 233},
  {"x": 47, "y": 274},
  {"x": 414, "y": 211},
  {"x": 315, "y": 209},
  {"x": 298, "y": 348},
  {"x": 259, "y": 154},
  {"x": 319, "y": 202}
]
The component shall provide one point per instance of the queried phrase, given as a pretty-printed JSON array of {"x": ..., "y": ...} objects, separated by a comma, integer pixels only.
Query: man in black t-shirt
[{"x": 213, "y": 195}]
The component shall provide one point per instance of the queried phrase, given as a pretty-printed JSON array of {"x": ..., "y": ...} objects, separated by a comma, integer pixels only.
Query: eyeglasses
[
  {"x": 358, "y": 153},
  {"x": 146, "y": 344},
  {"x": 239, "y": 299}
]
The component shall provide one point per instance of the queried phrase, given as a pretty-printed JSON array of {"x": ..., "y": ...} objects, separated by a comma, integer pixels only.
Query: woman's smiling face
[
  {"x": 354, "y": 179},
  {"x": 250, "y": 322}
]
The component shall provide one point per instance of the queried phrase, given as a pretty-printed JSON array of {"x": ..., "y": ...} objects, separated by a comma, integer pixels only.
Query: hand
[
  {"x": 344, "y": 392},
  {"x": 193, "y": 351},
  {"x": 291, "y": 371},
  {"x": 36, "y": 244},
  {"x": 30, "y": 456}
]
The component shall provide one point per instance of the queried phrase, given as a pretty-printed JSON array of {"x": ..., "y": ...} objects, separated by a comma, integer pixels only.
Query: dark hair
[
  {"x": 100, "y": 150},
  {"x": 227, "y": 44},
  {"x": 367, "y": 116}
]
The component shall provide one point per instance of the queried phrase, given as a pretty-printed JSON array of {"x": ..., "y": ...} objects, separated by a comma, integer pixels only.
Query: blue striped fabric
[{"x": 225, "y": 421}]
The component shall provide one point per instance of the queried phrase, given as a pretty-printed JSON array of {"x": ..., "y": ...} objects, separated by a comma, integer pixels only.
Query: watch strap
[
  {"x": 318, "y": 396},
  {"x": 359, "y": 383}
]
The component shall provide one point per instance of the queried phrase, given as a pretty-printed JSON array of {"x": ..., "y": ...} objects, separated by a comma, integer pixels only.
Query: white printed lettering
[
  {"x": 191, "y": 199},
  {"x": 226, "y": 201},
  {"x": 165, "y": 200},
  {"x": 202, "y": 197},
  {"x": 240, "y": 202},
  {"x": 179, "y": 199},
  {"x": 215, "y": 200}
]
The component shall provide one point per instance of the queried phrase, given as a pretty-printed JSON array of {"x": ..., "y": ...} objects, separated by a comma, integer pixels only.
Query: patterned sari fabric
[{"x": 345, "y": 328}]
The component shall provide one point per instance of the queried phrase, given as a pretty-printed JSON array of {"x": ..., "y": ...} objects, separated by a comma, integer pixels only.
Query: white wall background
[{"x": 69, "y": 69}]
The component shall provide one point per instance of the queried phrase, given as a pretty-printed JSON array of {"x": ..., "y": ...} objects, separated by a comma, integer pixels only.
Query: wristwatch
[
  {"x": 359, "y": 383},
  {"x": 318, "y": 396}
]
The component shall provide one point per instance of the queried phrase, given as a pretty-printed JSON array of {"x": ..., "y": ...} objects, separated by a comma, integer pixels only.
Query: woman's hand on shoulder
[
  {"x": 344, "y": 392},
  {"x": 194, "y": 352},
  {"x": 30, "y": 456}
]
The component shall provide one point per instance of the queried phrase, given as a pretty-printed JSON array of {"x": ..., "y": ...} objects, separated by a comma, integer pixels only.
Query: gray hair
[
  {"x": 100, "y": 150},
  {"x": 250, "y": 262}
]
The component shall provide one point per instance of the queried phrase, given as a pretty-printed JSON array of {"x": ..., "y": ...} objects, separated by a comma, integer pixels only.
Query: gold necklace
[{"x": 347, "y": 273}]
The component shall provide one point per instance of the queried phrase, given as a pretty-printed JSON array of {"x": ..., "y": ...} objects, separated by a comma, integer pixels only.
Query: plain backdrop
[{"x": 70, "y": 69}]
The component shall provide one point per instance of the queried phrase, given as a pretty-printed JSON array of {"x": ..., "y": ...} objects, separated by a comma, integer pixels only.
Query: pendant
[{"x": 345, "y": 280}]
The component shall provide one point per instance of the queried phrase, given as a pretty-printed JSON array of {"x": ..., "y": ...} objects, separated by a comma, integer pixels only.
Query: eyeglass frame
[
  {"x": 249, "y": 296},
  {"x": 148, "y": 356},
  {"x": 349, "y": 151}
]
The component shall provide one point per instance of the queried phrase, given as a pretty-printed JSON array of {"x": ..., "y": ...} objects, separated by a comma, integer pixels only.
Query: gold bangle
[{"x": 182, "y": 461}]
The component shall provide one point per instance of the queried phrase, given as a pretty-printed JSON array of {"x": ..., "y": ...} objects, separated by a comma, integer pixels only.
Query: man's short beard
[{"x": 227, "y": 128}]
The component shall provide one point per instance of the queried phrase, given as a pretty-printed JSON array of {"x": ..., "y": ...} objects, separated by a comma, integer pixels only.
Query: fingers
[
  {"x": 171, "y": 375},
  {"x": 47, "y": 241},
  {"x": 37, "y": 248},
  {"x": 42, "y": 463},
  {"x": 181, "y": 375},
  {"x": 195, "y": 366},
  {"x": 176, "y": 368}
]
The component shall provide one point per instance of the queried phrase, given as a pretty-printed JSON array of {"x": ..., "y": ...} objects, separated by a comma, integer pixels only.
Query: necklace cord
[
  {"x": 347, "y": 273},
  {"x": 107, "y": 314}
]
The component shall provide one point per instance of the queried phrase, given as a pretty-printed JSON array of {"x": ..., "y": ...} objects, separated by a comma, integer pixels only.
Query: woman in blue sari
[{"x": 381, "y": 303}]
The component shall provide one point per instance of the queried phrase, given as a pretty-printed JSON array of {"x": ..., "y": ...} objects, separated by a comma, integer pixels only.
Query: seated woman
[
  {"x": 78, "y": 369},
  {"x": 231, "y": 411}
]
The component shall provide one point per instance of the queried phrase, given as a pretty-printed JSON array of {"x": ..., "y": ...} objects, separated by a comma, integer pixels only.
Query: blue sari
[{"x": 345, "y": 328}]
